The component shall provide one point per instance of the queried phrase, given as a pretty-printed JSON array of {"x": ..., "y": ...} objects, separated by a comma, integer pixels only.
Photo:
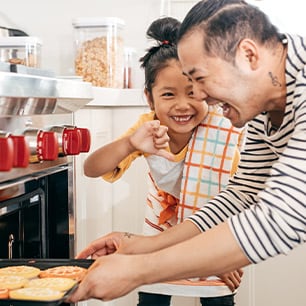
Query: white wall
[
  {"x": 52, "y": 22},
  {"x": 288, "y": 16}
]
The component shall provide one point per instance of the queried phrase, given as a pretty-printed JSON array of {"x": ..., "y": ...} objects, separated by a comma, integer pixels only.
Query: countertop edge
[{"x": 106, "y": 97}]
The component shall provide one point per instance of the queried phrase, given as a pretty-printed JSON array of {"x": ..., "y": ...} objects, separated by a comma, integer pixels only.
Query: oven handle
[
  {"x": 14, "y": 188},
  {"x": 10, "y": 246},
  {"x": 35, "y": 176}
]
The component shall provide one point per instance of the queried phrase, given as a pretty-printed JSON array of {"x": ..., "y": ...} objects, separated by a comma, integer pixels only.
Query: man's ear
[
  {"x": 149, "y": 99},
  {"x": 247, "y": 52}
]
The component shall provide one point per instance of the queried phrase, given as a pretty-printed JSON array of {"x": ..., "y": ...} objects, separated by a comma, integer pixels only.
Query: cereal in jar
[{"x": 99, "y": 50}]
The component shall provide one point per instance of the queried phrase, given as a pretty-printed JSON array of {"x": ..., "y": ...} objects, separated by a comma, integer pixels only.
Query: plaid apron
[
  {"x": 205, "y": 172},
  {"x": 208, "y": 162}
]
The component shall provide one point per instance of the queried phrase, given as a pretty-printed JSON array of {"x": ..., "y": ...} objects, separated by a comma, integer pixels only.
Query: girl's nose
[{"x": 182, "y": 103}]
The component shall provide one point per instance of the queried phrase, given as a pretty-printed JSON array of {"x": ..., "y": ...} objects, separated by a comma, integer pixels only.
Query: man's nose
[{"x": 199, "y": 94}]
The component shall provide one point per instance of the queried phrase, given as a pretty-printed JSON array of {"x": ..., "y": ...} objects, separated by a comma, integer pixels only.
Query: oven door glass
[
  {"x": 35, "y": 217},
  {"x": 22, "y": 226}
]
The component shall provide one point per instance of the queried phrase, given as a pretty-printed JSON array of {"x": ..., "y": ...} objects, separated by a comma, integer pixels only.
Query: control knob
[
  {"x": 69, "y": 139},
  {"x": 6, "y": 152},
  {"x": 85, "y": 140},
  {"x": 43, "y": 145},
  {"x": 21, "y": 153}
]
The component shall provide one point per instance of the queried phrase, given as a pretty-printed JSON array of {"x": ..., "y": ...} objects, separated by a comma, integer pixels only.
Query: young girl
[{"x": 189, "y": 148}]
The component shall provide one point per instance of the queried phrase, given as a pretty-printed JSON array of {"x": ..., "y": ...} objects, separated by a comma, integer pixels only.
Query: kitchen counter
[
  {"x": 25, "y": 94},
  {"x": 108, "y": 97}
]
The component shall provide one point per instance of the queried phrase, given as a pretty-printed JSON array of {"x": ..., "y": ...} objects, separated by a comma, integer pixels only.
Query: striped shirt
[{"x": 266, "y": 200}]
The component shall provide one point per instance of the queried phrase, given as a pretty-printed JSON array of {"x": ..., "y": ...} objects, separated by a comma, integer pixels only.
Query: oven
[
  {"x": 36, "y": 216},
  {"x": 38, "y": 146}
]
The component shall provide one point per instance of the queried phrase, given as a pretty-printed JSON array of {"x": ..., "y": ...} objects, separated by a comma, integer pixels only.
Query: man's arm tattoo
[{"x": 128, "y": 235}]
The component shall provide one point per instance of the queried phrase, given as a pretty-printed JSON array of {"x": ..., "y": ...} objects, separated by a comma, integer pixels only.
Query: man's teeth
[
  {"x": 220, "y": 105},
  {"x": 181, "y": 119}
]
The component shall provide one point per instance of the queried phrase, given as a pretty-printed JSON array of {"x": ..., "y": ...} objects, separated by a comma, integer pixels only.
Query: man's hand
[{"x": 104, "y": 245}]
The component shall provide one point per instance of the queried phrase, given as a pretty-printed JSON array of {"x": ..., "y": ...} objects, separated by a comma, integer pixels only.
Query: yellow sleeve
[
  {"x": 236, "y": 159},
  {"x": 239, "y": 147},
  {"x": 117, "y": 173}
]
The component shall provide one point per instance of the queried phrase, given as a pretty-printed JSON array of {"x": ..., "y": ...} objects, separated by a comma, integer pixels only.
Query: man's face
[{"x": 218, "y": 81}]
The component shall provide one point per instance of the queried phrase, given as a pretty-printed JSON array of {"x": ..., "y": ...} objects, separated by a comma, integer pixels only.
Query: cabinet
[{"x": 102, "y": 207}]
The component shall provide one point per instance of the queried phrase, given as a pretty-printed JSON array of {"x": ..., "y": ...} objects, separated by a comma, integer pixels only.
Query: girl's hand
[
  {"x": 152, "y": 138},
  {"x": 232, "y": 279}
]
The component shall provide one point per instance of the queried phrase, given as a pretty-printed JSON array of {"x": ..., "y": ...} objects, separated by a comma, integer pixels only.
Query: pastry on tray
[
  {"x": 22, "y": 270},
  {"x": 36, "y": 294},
  {"x": 12, "y": 281},
  {"x": 73, "y": 272},
  {"x": 4, "y": 293},
  {"x": 55, "y": 283}
]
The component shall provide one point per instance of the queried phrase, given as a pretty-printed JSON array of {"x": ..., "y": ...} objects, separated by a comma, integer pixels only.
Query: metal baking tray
[{"x": 42, "y": 264}]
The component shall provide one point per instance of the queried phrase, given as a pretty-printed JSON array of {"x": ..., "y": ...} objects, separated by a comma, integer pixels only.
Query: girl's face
[{"x": 173, "y": 102}]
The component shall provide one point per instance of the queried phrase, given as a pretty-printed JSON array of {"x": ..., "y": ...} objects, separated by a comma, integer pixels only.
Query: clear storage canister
[
  {"x": 21, "y": 50},
  {"x": 99, "y": 50}
]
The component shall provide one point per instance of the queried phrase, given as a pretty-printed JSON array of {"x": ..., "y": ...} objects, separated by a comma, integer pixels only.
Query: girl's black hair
[{"x": 164, "y": 31}]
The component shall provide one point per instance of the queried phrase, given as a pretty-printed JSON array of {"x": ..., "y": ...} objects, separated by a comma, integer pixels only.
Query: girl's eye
[{"x": 167, "y": 94}]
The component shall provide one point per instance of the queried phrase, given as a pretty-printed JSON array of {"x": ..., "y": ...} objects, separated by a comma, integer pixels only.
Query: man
[{"x": 235, "y": 57}]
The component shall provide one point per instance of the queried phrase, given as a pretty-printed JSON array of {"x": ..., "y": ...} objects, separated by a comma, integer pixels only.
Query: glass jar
[
  {"x": 129, "y": 67},
  {"x": 21, "y": 50},
  {"x": 99, "y": 50}
]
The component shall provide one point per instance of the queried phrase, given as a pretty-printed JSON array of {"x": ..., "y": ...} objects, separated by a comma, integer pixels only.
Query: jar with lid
[
  {"x": 99, "y": 50},
  {"x": 21, "y": 50}
]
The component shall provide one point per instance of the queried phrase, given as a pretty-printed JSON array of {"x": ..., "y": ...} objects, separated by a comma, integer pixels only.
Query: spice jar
[
  {"x": 99, "y": 50},
  {"x": 21, "y": 50},
  {"x": 129, "y": 67}
]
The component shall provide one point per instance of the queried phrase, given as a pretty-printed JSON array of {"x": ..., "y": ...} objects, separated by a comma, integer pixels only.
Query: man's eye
[
  {"x": 190, "y": 94},
  {"x": 199, "y": 79}
]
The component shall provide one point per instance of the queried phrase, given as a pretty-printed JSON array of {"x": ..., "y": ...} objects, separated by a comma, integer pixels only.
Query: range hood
[{"x": 25, "y": 94}]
